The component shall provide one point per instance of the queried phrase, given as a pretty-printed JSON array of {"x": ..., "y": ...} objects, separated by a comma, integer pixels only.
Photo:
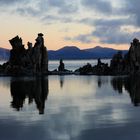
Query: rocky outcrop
[
  {"x": 119, "y": 65},
  {"x": 130, "y": 63},
  {"x": 33, "y": 60},
  {"x": 132, "y": 59},
  {"x": 61, "y": 66},
  {"x": 99, "y": 69},
  {"x": 87, "y": 69},
  {"x": 61, "y": 70}
]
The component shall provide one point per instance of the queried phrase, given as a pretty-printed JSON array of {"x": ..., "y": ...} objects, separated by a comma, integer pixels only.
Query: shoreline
[{"x": 63, "y": 74}]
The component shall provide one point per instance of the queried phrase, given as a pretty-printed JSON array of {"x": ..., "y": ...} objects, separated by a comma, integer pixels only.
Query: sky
[{"x": 81, "y": 23}]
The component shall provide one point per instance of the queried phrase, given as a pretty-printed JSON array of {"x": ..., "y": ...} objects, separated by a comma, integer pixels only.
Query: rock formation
[
  {"x": 99, "y": 69},
  {"x": 132, "y": 58},
  {"x": 61, "y": 66},
  {"x": 87, "y": 69},
  {"x": 33, "y": 60},
  {"x": 119, "y": 65},
  {"x": 130, "y": 63}
]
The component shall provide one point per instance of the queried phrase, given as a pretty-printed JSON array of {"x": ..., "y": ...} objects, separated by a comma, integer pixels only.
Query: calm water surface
[
  {"x": 71, "y": 64},
  {"x": 75, "y": 64},
  {"x": 70, "y": 108}
]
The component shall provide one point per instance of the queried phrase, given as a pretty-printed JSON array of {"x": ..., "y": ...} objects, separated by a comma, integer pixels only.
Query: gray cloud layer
[
  {"x": 132, "y": 8},
  {"x": 8, "y": 1},
  {"x": 97, "y": 5},
  {"x": 107, "y": 28},
  {"x": 84, "y": 38}
]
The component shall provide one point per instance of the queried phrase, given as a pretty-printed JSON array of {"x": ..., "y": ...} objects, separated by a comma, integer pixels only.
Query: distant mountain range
[
  {"x": 4, "y": 54},
  {"x": 72, "y": 52}
]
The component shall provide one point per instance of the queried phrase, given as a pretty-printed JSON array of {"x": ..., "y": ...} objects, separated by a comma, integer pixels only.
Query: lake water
[
  {"x": 71, "y": 64},
  {"x": 75, "y": 64},
  {"x": 70, "y": 108}
]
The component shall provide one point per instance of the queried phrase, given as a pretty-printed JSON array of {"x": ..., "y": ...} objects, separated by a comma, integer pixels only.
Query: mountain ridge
[
  {"x": 4, "y": 53},
  {"x": 72, "y": 52}
]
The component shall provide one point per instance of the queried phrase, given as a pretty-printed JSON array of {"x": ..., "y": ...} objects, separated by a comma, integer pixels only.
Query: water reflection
[
  {"x": 87, "y": 107},
  {"x": 99, "y": 82},
  {"x": 102, "y": 80},
  {"x": 61, "y": 80},
  {"x": 130, "y": 84},
  {"x": 118, "y": 83},
  {"x": 36, "y": 90}
]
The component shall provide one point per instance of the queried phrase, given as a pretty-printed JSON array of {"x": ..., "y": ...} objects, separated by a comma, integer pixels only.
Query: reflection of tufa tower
[
  {"x": 36, "y": 90},
  {"x": 131, "y": 84},
  {"x": 33, "y": 60}
]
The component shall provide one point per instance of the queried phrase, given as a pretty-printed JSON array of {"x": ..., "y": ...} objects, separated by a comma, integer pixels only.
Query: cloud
[
  {"x": 106, "y": 27},
  {"x": 111, "y": 35},
  {"x": 109, "y": 31},
  {"x": 8, "y": 1},
  {"x": 11, "y": 3},
  {"x": 98, "y": 5},
  {"x": 132, "y": 8},
  {"x": 28, "y": 11},
  {"x": 84, "y": 38},
  {"x": 31, "y": 7},
  {"x": 50, "y": 19},
  {"x": 105, "y": 35},
  {"x": 48, "y": 7},
  {"x": 114, "y": 22},
  {"x": 108, "y": 21},
  {"x": 46, "y": 11},
  {"x": 64, "y": 6}
]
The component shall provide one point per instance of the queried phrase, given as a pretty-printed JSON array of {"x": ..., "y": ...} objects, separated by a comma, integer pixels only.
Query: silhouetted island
[{"x": 34, "y": 61}]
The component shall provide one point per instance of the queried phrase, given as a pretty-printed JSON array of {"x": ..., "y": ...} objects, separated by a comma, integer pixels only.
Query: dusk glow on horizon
[{"x": 81, "y": 23}]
